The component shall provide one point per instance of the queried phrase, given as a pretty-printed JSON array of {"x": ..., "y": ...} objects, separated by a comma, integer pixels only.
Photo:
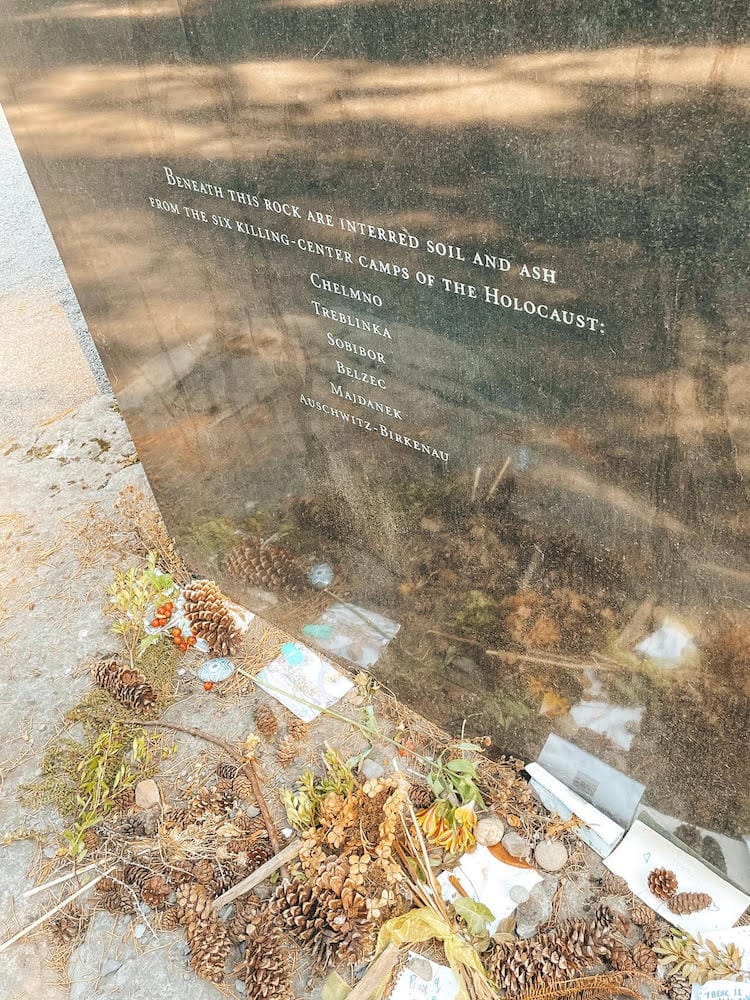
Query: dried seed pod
[
  {"x": 227, "y": 770},
  {"x": 662, "y": 882},
  {"x": 689, "y": 902}
]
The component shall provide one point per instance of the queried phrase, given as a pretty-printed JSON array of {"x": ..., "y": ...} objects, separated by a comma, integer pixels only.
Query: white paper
[
  {"x": 599, "y": 831},
  {"x": 739, "y": 936},
  {"x": 721, "y": 989},
  {"x": 314, "y": 679},
  {"x": 643, "y": 849},
  {"x": 410, "y": 985},
  {"x": 488, "y": 881},
  {"x": 358, "y": 635}
]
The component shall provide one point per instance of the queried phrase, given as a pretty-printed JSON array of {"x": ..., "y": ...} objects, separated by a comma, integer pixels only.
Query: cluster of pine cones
[
  {"x": 663, "y": 884},
  {"x": 182, "y": 889},
  {"x": 129, "y": 686},
  {"x": 569, "y": 951}
]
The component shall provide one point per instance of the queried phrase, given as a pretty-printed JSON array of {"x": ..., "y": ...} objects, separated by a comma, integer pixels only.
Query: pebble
[
  {"x": 371, "y": 768},
  {"x": 551, "y": 855},
  {"x": 537, "y": 909},
  {"x": 240, "y": 986},
  {"x": 50, "y": 852},
  {"x": 490, "y": 830},
  {"x": 147, "y": 794},
  {"x": 519, "y": 894},
  {"x": 109, "y": 966},
  {"x": 515, "y": 844},
  {"x": 139, "y": 930}
]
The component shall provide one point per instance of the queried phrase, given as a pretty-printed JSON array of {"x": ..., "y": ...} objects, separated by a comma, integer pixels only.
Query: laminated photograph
[{"x": 303, "y": 681}]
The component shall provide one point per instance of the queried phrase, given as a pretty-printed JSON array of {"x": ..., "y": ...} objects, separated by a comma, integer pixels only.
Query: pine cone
[
  {"x": 662, "y": 882},
  {"x": 68, "y": 926},
  {"x": 243, "y": 788},
  {"x": 268, "y": 567},
  {"x": 561, "y": 953},
  {"x": 266, "y": 969},
  {"x": 689, "y": 902},
  {"x": 642, "y": 915},
  {"x": 209, "y": 948},
  {"x": 250, "y": 825},
  {"x": 193, "y": 903},
  {"x": 317, "y": 915},
  {"x": 266, "y": 722},
  {"x": 250, "y": 852},
  {"x": 287, "y": 751},
  {"x": 651, "y": 933},
  {"x": 155, "y": 892},
  {"x": 207, "y": 611},
  {"x": 421, "y": 797},
  {"x": 136, "y": 875},
  {"x": 613, "y": 885},
  {"x": 170, "y": 918},
  {"x": 620, "y": 958},
  {"x": 127, "y": 685},
  {"x": 296, "y": 729},
  {"x": 678, "y": 988},
  {"x": 644, "y": 958},
  {"x": 115, "y": 897},
  {"x": 227, "y": 770}
]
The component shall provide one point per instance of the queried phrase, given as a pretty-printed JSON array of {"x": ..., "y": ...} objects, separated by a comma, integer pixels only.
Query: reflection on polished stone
[{"x": 448, "y": 300}]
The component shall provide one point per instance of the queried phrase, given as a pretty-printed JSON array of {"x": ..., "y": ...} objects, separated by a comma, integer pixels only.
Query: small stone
[
  {"x": 537, "y": 909},
  {"x": 110, "y": 965},
  {"x": 139, "y": 930},
  {"x": 519, "y": 894},
  {"x": 371, "y": 768},
  {"x": 240, "y": 986},
  {"x": 421, "y": 968},
  {"x": 147, "y": 794},
  {"x": 490, "y": 830},
  {"x": 515, "y": 844},
  {"x": 50, "y": 852},
  {"x": 551, "y": 855}
]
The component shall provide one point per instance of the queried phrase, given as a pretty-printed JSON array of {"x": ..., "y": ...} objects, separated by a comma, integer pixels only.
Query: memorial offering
[{"x": 427, "y": 322}]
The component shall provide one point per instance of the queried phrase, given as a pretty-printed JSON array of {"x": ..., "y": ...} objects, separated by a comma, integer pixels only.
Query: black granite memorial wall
[{"x": 446, "y": 301}]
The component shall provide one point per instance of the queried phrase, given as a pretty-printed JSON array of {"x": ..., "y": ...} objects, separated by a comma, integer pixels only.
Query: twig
[
  {"x": 377, "y": 973},
  {"x": 245, "y": 763},
  {"x": 55, "y": 909},
  {"x": 289, "y": 853},
  {"x": 498, "y": 477},
  {"x": 455, "y": 638},
  {"x": 475, "y": 487},
  {"x": 550, "y": 660},
  {"x": 62, "y": 878}
]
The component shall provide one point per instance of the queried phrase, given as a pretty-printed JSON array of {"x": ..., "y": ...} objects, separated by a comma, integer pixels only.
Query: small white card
[
  {"x": 643, "y": 849},
  {"x": 422, "y": 979},
  {"x": 488, "y": 881},
  {"x": 721, "y": 989},
  {"x": 315, "y": 682}
]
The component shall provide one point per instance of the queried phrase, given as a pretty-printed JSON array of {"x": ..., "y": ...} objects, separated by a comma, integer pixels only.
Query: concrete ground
[{"x": 62, "y": 448}]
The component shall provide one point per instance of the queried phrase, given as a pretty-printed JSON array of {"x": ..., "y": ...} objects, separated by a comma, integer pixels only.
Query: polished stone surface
[{"x": 544, "y": 210}]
